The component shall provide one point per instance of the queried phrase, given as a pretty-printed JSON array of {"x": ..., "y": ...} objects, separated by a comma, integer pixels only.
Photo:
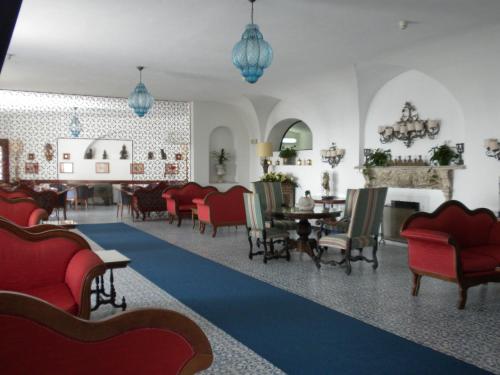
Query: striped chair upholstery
[
  {"x": 271, "y": 200},
  {"x": 342, "y": 225},
  {"x": 366, "y": 217},
  {"x": 256, "y": 227}
]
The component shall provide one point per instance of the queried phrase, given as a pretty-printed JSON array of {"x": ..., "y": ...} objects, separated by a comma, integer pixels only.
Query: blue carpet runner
[{"x": 295, "y": 334}]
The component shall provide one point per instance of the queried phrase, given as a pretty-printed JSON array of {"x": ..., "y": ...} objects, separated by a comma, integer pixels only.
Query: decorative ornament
[
  {"x": 75, "y": 126},
  {"x": 140, "y": 100},
  {"x": 252, "y": 54}
]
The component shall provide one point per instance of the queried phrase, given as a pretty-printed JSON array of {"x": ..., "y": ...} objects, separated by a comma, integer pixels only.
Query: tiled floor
[{"x": 381, "y": 298}]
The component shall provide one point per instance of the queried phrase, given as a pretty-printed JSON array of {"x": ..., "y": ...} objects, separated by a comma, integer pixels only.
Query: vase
[
  {"x": 220, "y": 170},
  {"x": 305, "y": 203}
]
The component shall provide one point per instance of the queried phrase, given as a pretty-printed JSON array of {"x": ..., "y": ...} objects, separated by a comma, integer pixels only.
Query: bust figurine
[
  {"x": 163, "y": 154},
  {"x": 89, "y": 154},
  {"x": 325, "y": 183},
  {"x": 124, "y": 153}
]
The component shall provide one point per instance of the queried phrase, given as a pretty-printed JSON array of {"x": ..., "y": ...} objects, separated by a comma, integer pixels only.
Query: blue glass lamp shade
[
  {"x": 252, "y": 54},
  {"x": 75, "y": 127},
  {"x": 140, "y": 100}
]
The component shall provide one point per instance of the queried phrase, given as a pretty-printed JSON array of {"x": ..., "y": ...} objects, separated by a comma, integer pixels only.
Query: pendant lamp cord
[{"x": 252, "y": 10}]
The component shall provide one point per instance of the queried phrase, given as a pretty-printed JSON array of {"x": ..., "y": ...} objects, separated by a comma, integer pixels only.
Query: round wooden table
[{"x": 304, "y": 229}]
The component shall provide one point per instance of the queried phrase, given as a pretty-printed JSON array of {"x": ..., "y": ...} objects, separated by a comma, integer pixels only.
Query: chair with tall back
[
  {"x": 363, "y": 230},
  {"x": 341, "y": 225},
  {"x": 271, "y": 200},
  {"x": 256, "y": 228}
]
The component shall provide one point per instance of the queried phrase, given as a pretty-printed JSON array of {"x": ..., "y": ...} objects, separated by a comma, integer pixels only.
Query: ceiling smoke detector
[{"x": 403, "y": 25}]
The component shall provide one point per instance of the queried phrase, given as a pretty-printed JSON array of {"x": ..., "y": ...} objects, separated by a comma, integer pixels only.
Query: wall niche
[{"x": 222, "y": 138}]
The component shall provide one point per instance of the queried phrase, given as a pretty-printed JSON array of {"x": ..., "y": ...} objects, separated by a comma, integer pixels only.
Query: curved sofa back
[{"x": 20, "y": 211}]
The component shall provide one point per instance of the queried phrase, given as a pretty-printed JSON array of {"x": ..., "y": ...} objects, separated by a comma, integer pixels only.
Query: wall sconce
[
  {"x": 409, "y": 127},
  {"x": 333, "y": 155},
  {"x": 492, "y": 148},
  {"x": 264, "y": 151}
]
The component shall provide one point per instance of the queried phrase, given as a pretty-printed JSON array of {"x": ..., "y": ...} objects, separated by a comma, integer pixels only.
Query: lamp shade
[{"x": 264, "y": 149}]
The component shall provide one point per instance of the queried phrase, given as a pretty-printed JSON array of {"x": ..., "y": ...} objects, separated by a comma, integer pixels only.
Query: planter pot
[{"x": 220, "y": 170}]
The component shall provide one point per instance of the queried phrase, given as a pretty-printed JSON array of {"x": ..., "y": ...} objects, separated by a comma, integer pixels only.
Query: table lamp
[{"x": 264, "y": 150}]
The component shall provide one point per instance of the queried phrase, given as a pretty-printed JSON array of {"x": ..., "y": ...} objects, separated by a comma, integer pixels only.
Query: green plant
[
  {"x": 378, "y": 158},
  {"x": 443, "y": 155},
  {"x": 288, "y": 152},
  {"x": 221, "y": 156},
  {"x": 279, "y": 177}
]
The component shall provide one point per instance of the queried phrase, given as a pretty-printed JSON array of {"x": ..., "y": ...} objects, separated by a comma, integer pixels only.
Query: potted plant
[
  {"x": 220, "y": 168},
  {"x": 443, "y": 155},
  {"x": 288, "y": 154},
  {"x": 280, "y": 177},
  {"x": 378, "y": 158}
]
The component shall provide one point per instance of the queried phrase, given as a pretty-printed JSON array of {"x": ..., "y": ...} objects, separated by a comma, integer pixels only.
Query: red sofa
[
  {"x": 24, "y": 212},
  {"x": 221, "y": 209},
  {"x": 55, "y": 265},
  {"x": 37, "y": 338},
  {"x": 13, "y": 193},
  {"x": 149, "y": 199},
  {"x": 455, "y": 244},
  {"x": 179, "y": 200}
]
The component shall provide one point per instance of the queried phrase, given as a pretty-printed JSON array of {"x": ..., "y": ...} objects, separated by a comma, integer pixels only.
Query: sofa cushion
[
  {"x": 473, "y": 261},
  {"x": 58, "y": 295},
  {"x": 492, "y": 251}
]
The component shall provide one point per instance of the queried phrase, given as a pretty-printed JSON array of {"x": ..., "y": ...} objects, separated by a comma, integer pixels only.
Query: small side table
[
  {"x": 66, "y": 224},
  {"x": 112, "y": 259}
]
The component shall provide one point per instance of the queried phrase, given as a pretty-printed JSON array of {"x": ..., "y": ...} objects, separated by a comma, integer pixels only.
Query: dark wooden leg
[
  {"x": 179, "y": 221},
  {"x": 347, "y": 258},
  {"x": 463, "y": 298},
  {"x": 170, "y": 219},
  {"x": 416, "y": 284},
  {"x": 64, "y": 211},
  {"x": 202, "y": 227},
  {"x": 287, "y": 248},
  {"x": 374, "y": 256},
  {"x": 143, "y": 216},
  {"x": 265, "y": 250},
  {"x": 117, "y": 209},
  {"x": 214, "y": 231},
  {"x": 250, "y": 254}
]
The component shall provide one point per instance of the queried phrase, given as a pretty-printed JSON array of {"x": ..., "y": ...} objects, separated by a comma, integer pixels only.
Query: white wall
[{"x": 222, "y": 138}]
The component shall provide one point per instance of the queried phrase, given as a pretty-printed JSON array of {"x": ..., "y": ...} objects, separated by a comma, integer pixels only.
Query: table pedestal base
[{"x": 304, "y": 243}]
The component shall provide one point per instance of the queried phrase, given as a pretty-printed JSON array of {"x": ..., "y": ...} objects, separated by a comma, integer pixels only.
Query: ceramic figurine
[
  {"x": 89, "y": 154},
  {"x": 124, "y": 153},
  {"x": 104, "y": 155},
  {"x": 163, "y": 154}
]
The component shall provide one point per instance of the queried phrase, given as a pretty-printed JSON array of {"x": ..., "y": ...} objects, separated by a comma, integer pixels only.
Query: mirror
[{"x": 298, "y": 135}]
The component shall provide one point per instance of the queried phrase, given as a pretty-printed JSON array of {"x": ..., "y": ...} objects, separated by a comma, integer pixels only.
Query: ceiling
[{"x": 92, "y": 47}]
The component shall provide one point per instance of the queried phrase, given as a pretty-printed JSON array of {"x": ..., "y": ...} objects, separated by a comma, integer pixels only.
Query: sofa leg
[
  {"x": 170, "y": 219},
  {"x": 214, "y": 231},
  {"x": 202, "y": 227},
  {"x": 179, "y": 221},
  {"x": 463, "y": 298},
  {"x": 416, "y": 284},
  {"x": 250, "y": 254}
]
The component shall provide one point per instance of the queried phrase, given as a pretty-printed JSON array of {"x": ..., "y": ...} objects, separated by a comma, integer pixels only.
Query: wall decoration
[
  {"x": 492, "y": 148},
  {"x": 151, "y": 155},
  {"x": 102, "y": 167},
  {"x": 31, "y": 168},
  {"x": 137, "y": 168},
  {"x": 48, "y": 152},
  {"x": 163, "y": 154},
  {"x": 66, "y": 156},
  {"x": 75, "y": 126},
  {"x": 31, "y": 156},
  {"x": 36, "y": 119},
  {"x": 171, "y": 168},
  {"x": 409, "y": 127},
  {"x": 89, "y": 154},
  {"x": 333, "y": 155},
  {"x": 178, "y": 156},
  {"x": 124, "y": 153},
  {"x": 65, "y": 167},
  {"x": 104, "y": 155}
]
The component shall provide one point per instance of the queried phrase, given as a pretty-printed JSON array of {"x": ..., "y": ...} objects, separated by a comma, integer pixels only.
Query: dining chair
[
  {"x": 267, "y": 237},
  {"x": 125, "y": 199},
  {"x": 341, "y": 225},
  {"x": 61, "y": 203},
  {"x": 271, "y": 200},
  {"x": 82, "y": 195},
  {"x": 363, "y": 229}
]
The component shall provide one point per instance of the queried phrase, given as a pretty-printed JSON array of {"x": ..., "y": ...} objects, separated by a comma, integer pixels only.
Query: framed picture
[
  {"x": 31, "y": 168},
  {"x": 101, "y": 167},
  {"x": 31, "y": 156},
  {"x": 171, "y": 168},
  {"x": 66, "y": 156},
  {"x": 137, "y": 168},
  {"x": 65, "y": 167},
  {"x": 178, "y": 156}
]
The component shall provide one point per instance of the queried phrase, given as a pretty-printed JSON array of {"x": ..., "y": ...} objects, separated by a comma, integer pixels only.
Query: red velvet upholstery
[
  {"x": 149, "y": 199},
  {"x": 56, "y": 266},
  {"x": 455, "y": 244},
  {"x": 222, "y": 209},
  {"x": 22, "y": 211},
  {"x": 12, "y": 194},
  {"x": 37, "y": 338},
  {"x": 179, "y": 200}
]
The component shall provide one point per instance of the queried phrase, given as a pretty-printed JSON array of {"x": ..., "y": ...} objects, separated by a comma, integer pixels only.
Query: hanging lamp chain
[
  {"x": 140, "y": 68},
  {"x": 251, "y": 15}
]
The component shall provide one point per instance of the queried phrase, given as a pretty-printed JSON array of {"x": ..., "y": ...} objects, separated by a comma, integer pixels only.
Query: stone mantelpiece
[{"x": 412, "y": 177}]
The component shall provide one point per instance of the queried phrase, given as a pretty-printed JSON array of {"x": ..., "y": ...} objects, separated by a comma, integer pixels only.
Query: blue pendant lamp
[
  {"x": 252, "y": 54},
  {"x": 75, "y": 126},
  {"x": 140, "y": 100}
]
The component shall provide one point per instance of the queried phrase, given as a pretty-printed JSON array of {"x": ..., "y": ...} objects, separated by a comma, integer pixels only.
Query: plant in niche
[
  {"x": 288, "y": 152},
  {"x": 378, "y": 158},
  {"x": 279, "y": 177},
  {"x": 443, "y": 155},
  {"x": 221, "y": 156}
]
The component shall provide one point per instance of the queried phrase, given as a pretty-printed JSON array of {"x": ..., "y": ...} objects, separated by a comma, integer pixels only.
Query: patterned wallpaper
[{"x": 39, "y": 118}]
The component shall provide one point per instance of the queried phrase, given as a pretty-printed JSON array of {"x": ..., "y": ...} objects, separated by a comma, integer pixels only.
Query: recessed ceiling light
[{"x": 403, "y": 25}]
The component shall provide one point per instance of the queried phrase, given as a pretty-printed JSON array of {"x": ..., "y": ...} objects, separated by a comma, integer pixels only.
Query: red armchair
[
  {"x": 39, "y": 338},
  {"x": 222, "y": 209},
  {"x": 24, "y": 212},
  {"x": 179, "y": 200},
  {"x": 455, "y": 244},
  {"x": 55, "y": 265},
  {"x": 12, "y": 193}
]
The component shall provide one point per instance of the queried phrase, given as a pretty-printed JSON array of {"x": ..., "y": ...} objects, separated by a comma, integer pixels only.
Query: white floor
[{"x": 381, "y": 298}]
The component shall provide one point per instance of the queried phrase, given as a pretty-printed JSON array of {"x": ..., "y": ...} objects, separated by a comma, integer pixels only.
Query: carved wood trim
[{"x": 4, "y": 144}]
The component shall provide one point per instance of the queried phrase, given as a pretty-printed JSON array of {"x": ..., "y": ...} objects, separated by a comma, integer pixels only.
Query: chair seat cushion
[
  {"x": 186, "y": 207},
  {"x": 340, "y": 241},
  {"x": 473, "y": 261},
  {"x": 58, "y": 295},
  {"x": 492, "y": 251}
]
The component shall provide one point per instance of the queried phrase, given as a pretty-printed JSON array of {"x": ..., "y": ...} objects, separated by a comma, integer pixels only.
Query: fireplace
[{"x": 394, "y": 217}]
